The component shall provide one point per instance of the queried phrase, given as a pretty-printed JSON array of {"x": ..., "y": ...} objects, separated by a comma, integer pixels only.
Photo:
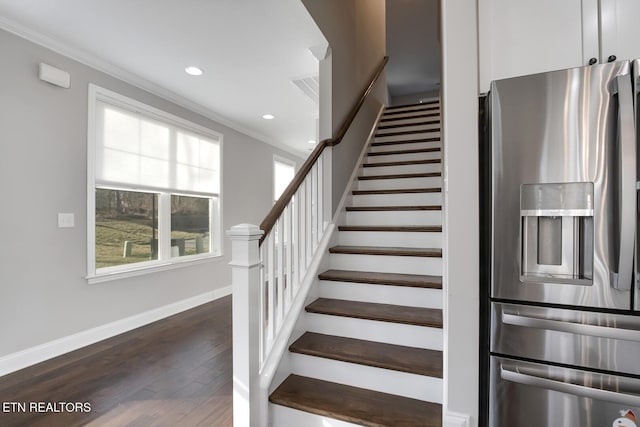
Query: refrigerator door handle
[
  {"x": 576, "y": 390},
  {"x": 621, "y": 279},
  {"x": 571, "y": 327}
]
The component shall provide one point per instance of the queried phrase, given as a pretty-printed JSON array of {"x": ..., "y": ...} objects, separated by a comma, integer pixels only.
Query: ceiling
[
  {"x": 413, "y": 46},
  {"x": 250, "y": 51}
]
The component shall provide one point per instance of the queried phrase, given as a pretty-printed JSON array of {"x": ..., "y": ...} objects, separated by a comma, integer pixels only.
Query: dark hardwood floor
[{"x": 174, "y": 372}]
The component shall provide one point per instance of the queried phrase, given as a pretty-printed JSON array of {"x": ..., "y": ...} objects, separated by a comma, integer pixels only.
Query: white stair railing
[
  {"x": 286, "y": 252},
  {"x": 270, "y": 264},
  {"x": 267, "y": 273}
]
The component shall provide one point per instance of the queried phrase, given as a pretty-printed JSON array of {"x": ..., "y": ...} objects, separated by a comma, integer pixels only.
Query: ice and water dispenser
[{"x": 557, "y": 233}]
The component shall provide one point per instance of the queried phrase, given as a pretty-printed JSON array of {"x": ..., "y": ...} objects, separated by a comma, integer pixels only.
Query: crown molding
[{"x": 119, "y": 73}]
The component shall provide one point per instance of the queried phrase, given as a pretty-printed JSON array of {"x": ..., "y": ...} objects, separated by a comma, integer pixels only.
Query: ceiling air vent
[{"x": 310, "y": 86}]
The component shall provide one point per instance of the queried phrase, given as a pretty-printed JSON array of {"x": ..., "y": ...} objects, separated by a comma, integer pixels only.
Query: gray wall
[
  {"x": 413, "y": 46},
  {"x": 413, "y": 98},
  {"x": 355, "y": 30},
  {"x": 43, "y": 152}
]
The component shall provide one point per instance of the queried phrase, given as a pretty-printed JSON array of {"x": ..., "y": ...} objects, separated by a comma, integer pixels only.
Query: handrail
[{"x": 277, "y": 209}]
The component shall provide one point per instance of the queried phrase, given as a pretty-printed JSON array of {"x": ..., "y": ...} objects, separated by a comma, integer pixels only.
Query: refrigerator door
[
  {"x": 534, "y": 395},
  {"x": 563, "y": 187},
  {"x": 590, "y": 340}
]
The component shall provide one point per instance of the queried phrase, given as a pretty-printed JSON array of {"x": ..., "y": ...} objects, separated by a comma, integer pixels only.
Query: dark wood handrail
[{"x": 277, "y": 209}]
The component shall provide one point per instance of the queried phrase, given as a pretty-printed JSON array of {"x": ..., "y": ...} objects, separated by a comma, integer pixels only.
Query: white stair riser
[
  {"x": 411, "y": 128},
  {"x": 390, "y": 170},
  {"x": 372, "y": 330},
  {"x": 400, "y": 199},
  {"x": 282, "y": 416},
  {"x": 396, "y": 114},
  {"x": 412, "y": 136},
  {"x": 381, "y": 294},
  {"x": 404, "y": 239},
  {"x": 394, "y": 218},
  {"x": 397, "y": 146},
  {"x": 404, "y": 157},
  {"x": 398, "y": 183},
  {"x": 411, "y": 114},
  {"x": 431, "y": 266},
  {"x": 410, "y": 121},
  {"x": 427, "y": 107},
  {"x": 383, "y": 380}
]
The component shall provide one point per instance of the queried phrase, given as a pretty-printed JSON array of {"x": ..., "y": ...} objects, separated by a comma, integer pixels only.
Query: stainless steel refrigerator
[{"x": 564, "y": 296}]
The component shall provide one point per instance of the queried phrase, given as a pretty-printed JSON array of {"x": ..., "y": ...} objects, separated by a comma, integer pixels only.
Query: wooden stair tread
[
  {"x": 395, "y": 112},
  {"x": 407, "y": 132},
  {"x": 396, "y": 228},
  {"x": 392, "y": 279},
  {"x": 393, "y": 208},
  {"x": 402, "y": 163},
  {"x": 426, "y": 122},
  {"x": 401, "y": 175},
  {"x": 389, "y": 251},
  {"x": 412, "y": 151},
  {"x": 429, "y": 317},
  {"x": 404, "y": 141},
  {"x": 355, "y": 405},
  {"x": 397, "y": 191},
  {"x": 414, "y": 116},
  {"x": 413, "y": 360}
]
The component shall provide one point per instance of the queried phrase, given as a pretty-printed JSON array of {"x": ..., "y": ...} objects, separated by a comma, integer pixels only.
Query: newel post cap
[{"x": 245, "y": 232}]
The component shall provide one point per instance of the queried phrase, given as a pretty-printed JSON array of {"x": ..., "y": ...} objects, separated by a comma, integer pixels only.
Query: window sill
[{"x": 147, "y": 269}]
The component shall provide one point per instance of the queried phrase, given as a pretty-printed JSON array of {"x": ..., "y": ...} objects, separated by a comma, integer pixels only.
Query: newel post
[{"x": 245, "y": 267}]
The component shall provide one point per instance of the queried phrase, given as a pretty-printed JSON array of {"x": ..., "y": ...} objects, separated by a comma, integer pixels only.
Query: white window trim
[{"x": 97, "y": 93}]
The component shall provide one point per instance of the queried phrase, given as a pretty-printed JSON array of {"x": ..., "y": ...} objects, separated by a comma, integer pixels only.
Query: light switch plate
[{"x": 66, "y": 220}]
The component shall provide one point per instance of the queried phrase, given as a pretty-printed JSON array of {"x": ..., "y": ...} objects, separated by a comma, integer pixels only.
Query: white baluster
[
  {"x": 326, "y": 186},
  {"x": 280, "y": 274},
  {"x": 308, "y": 222},
  {"x": 302, "y": 239},
  {"x": 296, "y": 240},
  {"x": 263, "y": 306},
  {"x": 271, "y": 289},
  {"x": 320, "y": 199},
  {"x": 288, "y": 274},
  {"x": 312, "y": 206}
]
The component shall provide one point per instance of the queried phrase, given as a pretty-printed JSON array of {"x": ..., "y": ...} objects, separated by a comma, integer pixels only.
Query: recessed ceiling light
[
  {"x": 268, "y": 116},
  {"x": 194, "y": 71},
  {"x": 311, "y": 141}
]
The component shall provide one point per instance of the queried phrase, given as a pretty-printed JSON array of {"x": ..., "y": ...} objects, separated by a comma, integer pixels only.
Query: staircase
[{"x": 372, "y": 351}]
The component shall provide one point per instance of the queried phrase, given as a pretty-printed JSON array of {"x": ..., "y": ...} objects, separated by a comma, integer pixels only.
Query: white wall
[
  {"x": 355, "y": 30},
  {"x": 43, "y": 131},
  {"x": 461, "y": 252},
  {"x": 519, "y": 37},
  {"x": 414, "y": 98}
]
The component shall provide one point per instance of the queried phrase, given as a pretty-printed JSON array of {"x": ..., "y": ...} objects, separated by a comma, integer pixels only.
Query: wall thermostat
[{"x": 54, "y": 75}]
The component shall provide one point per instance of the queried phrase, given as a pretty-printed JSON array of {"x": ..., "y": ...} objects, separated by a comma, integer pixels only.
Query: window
[
  {"x": 283, "y": 173},
  {"x": 153, "y": 190}
]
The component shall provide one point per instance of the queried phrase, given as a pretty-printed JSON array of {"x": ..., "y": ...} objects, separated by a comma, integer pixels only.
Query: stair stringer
[{"x": 278, "y": 365}]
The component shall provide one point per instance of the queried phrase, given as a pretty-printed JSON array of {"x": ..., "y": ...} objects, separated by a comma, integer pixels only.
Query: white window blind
[{"x": 136, "y": 151}]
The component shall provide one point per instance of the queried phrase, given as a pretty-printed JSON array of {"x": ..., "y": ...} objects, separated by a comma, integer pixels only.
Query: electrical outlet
[{"x": 66, "y": 220}]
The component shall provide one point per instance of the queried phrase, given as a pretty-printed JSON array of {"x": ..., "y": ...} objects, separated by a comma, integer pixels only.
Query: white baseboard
[
  {"x": 24, "y": 358},
  {"x": 454, "y": 419}
]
